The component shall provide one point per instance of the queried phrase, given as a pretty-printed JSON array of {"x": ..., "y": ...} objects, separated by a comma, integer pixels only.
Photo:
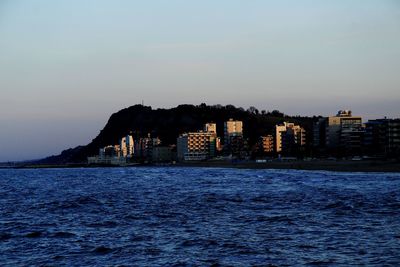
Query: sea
[{"x": 181, "y": 216}]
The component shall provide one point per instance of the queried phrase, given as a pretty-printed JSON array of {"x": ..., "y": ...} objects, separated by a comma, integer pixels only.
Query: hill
[{"x": 167, "y": 124}]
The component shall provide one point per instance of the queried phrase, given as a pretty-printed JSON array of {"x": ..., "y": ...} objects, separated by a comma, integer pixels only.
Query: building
[
  {"x": 196, "y": 145},
  {"x": 218, "y": 144},
  {"x": 233, "y": 137},
  {"x": 266, "y": 144},
  {"x": 236, "y": 146},
  {"x": 162, "y": 154},
  {"x": 97, "y": 160},
  {"x": 279, "y": 131},
  {"x": 341, "y": 134},
  {"x": 232, "y": 128},
  {"x": 144, "y": 147},
  {"x": 393, "y": 137},
  {"x": 319, "y": 134},
  {"x": 382, "y": 137},
  {"x": 343, "y": 130},
  {"x": 210, "y": 128},
  {"x": 127, "y": 146},
  {"x": 289, "y": 137},
  {"x": 109, "y": 155},
  {"x": 110, "y": 151},
  {"x": 127, "y": 149}
]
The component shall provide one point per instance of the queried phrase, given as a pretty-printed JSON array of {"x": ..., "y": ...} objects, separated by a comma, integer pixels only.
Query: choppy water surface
[{"x": 198, "y": 217}]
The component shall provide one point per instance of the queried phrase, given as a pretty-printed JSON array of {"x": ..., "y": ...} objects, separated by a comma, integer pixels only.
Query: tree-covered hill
[{"x": 167, "y": 124}]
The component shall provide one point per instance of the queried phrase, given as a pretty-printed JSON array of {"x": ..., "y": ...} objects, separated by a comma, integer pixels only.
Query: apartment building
[
  {"x": 341, "y": 134},
  {"x": 289, "y": 135},
  {"x": 266, "y": 144},
  {"x": 197, "y": 145},
  {"x": 127, "y": 146},
  {"x": 382, "y": 137},
  {"x": 232, "y": 128}
]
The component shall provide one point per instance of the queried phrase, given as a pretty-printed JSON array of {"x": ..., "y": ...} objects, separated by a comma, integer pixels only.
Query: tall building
[
  {"x": 233, "y": 137},
  {"x": 344, "y": 130},
  {"x": 341, "y": 134},
  {"x": 232, "y": 128},
  {"x": 127, "y": 146},
  {"x": 319, "y": 134},
  {"x": 288, "y": 136},
  {"x": 212, "y": 128},
  {"x": 279, "y": 131}
]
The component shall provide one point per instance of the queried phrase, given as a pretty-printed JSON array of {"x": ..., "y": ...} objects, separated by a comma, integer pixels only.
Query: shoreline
[{"x": 317, "y": 165}]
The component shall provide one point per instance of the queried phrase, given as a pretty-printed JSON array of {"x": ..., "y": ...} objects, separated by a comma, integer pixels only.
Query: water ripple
[{"x": 198, "y": 217}]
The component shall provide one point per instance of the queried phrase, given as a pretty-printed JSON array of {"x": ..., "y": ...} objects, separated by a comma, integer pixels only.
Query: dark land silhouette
[{"x": 167, "y": 124}]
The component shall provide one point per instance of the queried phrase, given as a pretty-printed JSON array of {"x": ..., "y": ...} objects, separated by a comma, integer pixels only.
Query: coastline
[{"x": 317, "y": 165}]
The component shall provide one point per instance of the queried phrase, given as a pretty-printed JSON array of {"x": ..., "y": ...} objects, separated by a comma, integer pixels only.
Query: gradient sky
[{"x": 66, "y": 66}]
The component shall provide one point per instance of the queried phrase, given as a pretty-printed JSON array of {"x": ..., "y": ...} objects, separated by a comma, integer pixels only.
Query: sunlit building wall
[
  {"x": 232, "y": 128},
  {"x": 287, "y": 135},
  {"x": 196, "y": 145},
  {"x": 210, "y": 127},
  {"x": 127, "y": 146}
]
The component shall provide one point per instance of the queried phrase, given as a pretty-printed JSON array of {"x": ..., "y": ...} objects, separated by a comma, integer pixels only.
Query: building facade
[
  {"x": 232, "y": 128},
  {"x": 233, "y": 137},
  {"x": 288, "y": 137},
  {"x": 162, "y": 154},
  {"x": 342, "y": 134},
  {"x": 319, "y": 134},
  {"x": 197, "y": 145},
  {"x": 210, "y": 128},
  {"x": 343, "y": 130},
  {"x": 109, "y": 155},
  {"x": 144, "y": 147},
  {"x": 127, "y": 146},
  {"x": 382, "y": 137},
  {"x": 266, "y": 144}
]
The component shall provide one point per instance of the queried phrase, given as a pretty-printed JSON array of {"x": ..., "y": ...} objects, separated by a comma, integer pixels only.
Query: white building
[{"x": 127, "y": 146}]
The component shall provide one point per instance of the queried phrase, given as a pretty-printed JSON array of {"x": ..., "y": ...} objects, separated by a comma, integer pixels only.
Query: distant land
[{"x": 167, "y": 124}]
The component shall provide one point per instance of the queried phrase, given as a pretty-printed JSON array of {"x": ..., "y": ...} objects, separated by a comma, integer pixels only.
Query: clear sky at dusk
[{"x": 66, "y": 66}]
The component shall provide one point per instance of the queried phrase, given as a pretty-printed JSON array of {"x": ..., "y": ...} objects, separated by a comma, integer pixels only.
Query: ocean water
[{"x": 198, "y": 217}]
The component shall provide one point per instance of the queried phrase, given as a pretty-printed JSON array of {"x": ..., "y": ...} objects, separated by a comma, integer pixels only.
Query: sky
[{"x": 67, "y": 65}]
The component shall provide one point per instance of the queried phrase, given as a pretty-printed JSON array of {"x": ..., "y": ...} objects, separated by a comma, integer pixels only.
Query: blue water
[{"x": 198, "y": 217}]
